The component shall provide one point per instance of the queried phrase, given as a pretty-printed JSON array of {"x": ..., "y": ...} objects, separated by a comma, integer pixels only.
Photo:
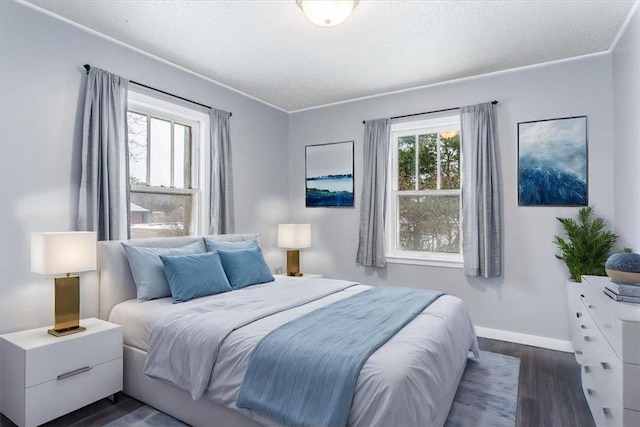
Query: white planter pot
[{"x": 575, "y": 311}]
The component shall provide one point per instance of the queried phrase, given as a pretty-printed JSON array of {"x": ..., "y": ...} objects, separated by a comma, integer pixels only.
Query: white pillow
[{"x": 148, "y": 271}]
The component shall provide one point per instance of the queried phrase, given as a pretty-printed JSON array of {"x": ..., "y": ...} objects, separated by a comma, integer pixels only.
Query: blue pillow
[
  {"x": 194, "y": 276},
  {"x": 215, "y": 245},
  {"x": 245, "y": 267},
  {"x": 147, "y": 269}
]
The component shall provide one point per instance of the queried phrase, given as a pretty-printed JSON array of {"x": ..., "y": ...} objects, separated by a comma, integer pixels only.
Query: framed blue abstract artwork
[
  {"x": 552, "y": 162},
  {"x": 329, "y": 175}
]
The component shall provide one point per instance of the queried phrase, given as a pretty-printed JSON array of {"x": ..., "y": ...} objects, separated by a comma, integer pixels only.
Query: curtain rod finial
[{"x": 87, "y": 67}]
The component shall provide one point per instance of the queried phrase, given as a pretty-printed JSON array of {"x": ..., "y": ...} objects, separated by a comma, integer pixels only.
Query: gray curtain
[
  {"x": 221, "y": 214},
  {"x": 104, "y": 186},
  {"x": 374, "y": 186},
  {"x": 481, "y": 212}
]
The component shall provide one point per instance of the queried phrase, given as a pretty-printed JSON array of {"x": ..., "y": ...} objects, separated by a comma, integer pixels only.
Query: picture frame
[
  {"x": 553, "y": 162},
  {"x": 329, "y": 175}
]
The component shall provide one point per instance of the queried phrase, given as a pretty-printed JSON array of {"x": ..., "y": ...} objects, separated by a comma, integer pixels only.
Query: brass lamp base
[
  {"x": 66, "y": 307},
  {"x": 293, "y": 263},
  {"x": 65, "y": 332}
]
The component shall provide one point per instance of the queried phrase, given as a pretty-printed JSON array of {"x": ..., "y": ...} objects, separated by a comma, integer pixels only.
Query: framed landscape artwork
[
  {"x": 329, "y": 175},
  {"x": 552, "y": 162}
]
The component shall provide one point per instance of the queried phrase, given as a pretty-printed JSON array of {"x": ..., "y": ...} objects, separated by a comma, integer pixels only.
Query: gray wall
[
  {"x": 626, "y": 109},
  {"x": 42, "y": 82},
  {"x": 530, "y": 297}
]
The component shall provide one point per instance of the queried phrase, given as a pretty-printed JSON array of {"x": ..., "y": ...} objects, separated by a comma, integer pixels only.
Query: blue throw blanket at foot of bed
[{"x": 304, "y": 373}]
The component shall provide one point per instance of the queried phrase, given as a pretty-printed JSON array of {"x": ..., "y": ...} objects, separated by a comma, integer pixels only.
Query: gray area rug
[{"x": 487, "y": 396}]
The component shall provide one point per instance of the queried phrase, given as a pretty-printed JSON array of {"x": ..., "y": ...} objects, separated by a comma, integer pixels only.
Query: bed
[{"x": 410, "y": 380}]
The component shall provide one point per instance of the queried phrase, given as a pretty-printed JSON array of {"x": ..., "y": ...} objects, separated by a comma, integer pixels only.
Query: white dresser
[
  {"x": 44, "y": 377},
  {"x": 609, "y": 334}
]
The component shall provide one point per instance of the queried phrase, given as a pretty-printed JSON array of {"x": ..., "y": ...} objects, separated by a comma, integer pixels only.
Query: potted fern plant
[
  {"x": 587, "y": 246},
  {"x": 585, "y": 251}
]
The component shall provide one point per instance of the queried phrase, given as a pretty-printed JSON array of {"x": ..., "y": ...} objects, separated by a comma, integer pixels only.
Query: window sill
[{"x": 448, "y": 263}]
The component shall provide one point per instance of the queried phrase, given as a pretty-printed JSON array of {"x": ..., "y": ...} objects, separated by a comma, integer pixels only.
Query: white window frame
[
  {"x": 393, "y": 253},
  {"x": 141, "y": 101}
]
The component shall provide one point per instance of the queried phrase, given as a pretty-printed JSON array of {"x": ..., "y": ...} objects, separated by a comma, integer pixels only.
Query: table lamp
[
  {"x": 64, "y": 253},
  {"x": 294, "y": 237}
]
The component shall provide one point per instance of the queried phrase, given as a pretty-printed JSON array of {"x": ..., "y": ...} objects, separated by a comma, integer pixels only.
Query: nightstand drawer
[
  {"x": 46, "y": 363},
  {"x": 49, "y": 400}
]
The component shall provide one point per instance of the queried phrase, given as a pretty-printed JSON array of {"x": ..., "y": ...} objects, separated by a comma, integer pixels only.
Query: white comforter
[{"x": 405, "y": 382}]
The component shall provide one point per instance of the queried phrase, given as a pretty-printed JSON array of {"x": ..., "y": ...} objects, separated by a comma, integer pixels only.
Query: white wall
[
  {"x": 626, "y": 122},
  {"x": 42, "y": 84},
  {"x": 529, "y": 298}
]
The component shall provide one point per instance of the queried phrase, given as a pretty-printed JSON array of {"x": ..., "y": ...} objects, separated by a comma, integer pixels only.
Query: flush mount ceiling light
[{"x": 327, "y": 13}]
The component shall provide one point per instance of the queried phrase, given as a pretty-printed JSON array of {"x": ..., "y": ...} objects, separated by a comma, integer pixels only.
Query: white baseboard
[{"x": 533, "y": 340}]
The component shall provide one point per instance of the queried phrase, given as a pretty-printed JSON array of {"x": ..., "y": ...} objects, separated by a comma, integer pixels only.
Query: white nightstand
[
  {"x": 44, "y": 377},
  {"x": 306, "y": 276}
]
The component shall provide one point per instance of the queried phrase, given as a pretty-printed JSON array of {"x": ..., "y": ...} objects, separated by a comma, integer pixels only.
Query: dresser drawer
[
  {"x": 631, "y": 418},
  {"x": 51, "y": 399},
  {"x": 606, "y": 368},
  {"x": 46, "y": 363},
  {"x": 599, "y": 310},
  {"x": 606, "y": 410},
  {"x": 631, "y": 380}
]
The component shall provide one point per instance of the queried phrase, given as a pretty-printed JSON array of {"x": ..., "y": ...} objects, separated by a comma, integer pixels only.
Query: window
[
  {"x": 163, "y": 169},
  {"x": 424, "y": 196}
]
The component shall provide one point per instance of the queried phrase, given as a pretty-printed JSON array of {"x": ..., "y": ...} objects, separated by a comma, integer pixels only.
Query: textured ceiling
[{"x": 269, "y": 50}]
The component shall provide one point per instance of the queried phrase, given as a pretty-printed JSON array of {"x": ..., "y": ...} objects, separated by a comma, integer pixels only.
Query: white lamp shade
[
  {"x": 327, "y": 13},
  {"x": 63, "y": 252},
  {"x": 294, "y": 236}
]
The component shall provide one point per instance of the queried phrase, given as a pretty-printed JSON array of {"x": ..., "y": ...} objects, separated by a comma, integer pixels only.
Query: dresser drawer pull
[
  {"x": 579, "y": 314},
  {"x": 591, "y": 306},
  {"x": 605, "y": 365},
  {"x": 607, "y": 413},
  {"x": 587, "y": 369},
  {"x": 591, "y": 392},
  {"x": 587, "y": 338},
  {"x": 75, "y": 372},
  {"x": 581, "y": 295},
  {"x": 583, "y": 326},
  {"x": 578, "y": 352}
]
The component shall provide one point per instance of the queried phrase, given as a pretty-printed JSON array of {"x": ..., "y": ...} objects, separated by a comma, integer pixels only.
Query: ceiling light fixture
[{"x": 327, "y": 13}]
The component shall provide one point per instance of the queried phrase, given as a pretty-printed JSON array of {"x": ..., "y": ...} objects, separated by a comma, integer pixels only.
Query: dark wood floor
[{"x": 550, "y": 392}]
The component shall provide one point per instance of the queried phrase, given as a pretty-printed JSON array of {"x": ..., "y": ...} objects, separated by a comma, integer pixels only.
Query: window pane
[
  {"x": 406, "y": 163},
  {"x": 428, "y": 166},
  {"x": 429, "y": 223},
  {"x": 182, "y": 156},
  {"x": 160, "y": 215},
  {"x": 450, "y": 160},
  {"x": 160, "y": 152},
  {"x": 137, "y": 136}
]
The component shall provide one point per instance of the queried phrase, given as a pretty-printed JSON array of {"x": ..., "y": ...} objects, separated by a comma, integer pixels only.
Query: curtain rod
[
  {"x": 494, "y": 102},
  {"x": 88, "y": 67}
]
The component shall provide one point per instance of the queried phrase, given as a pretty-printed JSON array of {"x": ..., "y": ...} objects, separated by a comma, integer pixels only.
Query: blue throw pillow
[
  {"x": 215, "y": 245},
  {"x": 245, "y": 267},
  {"x": 194, "y": 276},
  {"x": 147, "y": 269}
]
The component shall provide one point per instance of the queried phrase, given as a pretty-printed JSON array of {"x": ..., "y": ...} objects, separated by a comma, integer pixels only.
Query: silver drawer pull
[
  {"x": 605, "y": 365},
  {"x": 587, "y": 369},
  {"x": 583, "y": 326},
  {"x": 591, "y": 392},
  {"x": 75, "y": 372},
  {"x": 607, "y": 413},
  {"x": 587, "y": 338}
]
